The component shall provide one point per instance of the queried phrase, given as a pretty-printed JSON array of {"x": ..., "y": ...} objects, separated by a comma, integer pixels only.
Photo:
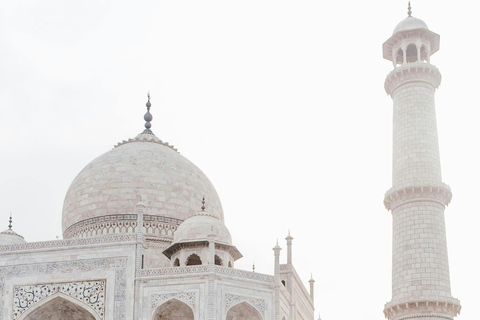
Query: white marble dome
[
  {"x": 410, "y": 23},
  {"x": 199, "y": 227},
  {"x": 9, "y": 237},
  {"x": 111, "y": 185}
]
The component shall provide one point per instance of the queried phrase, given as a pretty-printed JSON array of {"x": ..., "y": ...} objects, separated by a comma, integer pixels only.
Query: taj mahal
[{"x": 144, "y": 234}]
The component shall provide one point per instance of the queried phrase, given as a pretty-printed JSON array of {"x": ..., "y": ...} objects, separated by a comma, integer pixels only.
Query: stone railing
[
  {"x": 245, "y": 274},
  {"x": 173, "y": 271},
  {"x": 237, "y": 273}
]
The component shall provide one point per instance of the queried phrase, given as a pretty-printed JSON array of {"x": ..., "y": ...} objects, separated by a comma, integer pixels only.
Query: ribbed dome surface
[
  {"x": 410, "y": 23},
  {"x": 171, "y": 185}
]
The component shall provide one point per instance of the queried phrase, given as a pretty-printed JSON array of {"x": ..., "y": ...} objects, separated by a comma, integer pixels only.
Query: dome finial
[
  {"x": 409, "y": 9},
  {"x": 203, "y": 204},
  {"x": 148, "y": 117},
  {"x": 10, "y": 222}
]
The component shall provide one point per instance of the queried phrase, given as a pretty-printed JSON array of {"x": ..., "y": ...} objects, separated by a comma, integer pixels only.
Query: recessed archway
[
  {"x": 411, "y": 53},
  {"x": 218, "y": 261},
  {"x": 173, "y": 310},
  {"x": 59, "y": 307},
  {"x": 193, "y": 260},
  {"x": 243, "y": 311}
]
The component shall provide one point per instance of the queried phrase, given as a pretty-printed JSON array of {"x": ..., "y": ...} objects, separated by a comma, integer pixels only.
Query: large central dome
[{"x": 102, "y": 198}]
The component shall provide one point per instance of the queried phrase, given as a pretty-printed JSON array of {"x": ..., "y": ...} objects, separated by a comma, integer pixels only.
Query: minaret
[{"x": 417, "y": 199}]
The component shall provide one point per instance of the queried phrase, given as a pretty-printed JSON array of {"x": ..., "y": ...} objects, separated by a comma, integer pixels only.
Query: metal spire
[
  {"x": 148, "y": 117},
  {"x": 203, "y": 204},
  {"x": 409, "y": 9},
  {"x": 10, "y": 222}
]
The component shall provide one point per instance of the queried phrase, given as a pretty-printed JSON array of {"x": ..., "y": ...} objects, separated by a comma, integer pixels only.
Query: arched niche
[
  {"x": 411, "y": 53},
  {"x": 193, "y": 260},
  {"x": 173, "y": 310},
  {"x": 399, "y": 56},
  {"x": 243, "y": 311},
  {"x": 59, "y": 307},
  {"x": 176, "y": 263},
  {"x": 218, "y": 261}
]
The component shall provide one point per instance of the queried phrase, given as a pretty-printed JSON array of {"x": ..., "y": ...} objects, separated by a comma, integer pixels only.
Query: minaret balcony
[
  {"x": 395, "y": 197},
  {"x": 423, "y": 308},
  {"x": 412, "y": 72}
]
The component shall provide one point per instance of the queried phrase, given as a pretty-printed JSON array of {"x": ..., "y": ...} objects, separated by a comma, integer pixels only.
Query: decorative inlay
[
  {"x": 173, "y": 271},
  {"x": 395, "y": 197},
  {"x": 188, "y": 297},
  {"x": 232, "y": 300},
  {"x": 76, "y": 267},
  {"x": 412, "y": 72},
  {"x": 123, "y": 223},
  {"x": 91, "y": 293}
]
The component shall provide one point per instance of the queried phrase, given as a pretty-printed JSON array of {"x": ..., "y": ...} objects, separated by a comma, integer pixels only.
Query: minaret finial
[
  {"x": 203, "y": 204},
  {"x": 409, "y": 9},
  {"x": 253, "y": 267},
  {"x": 148, "y": 117},
  {"x": 10, "y": 222}
]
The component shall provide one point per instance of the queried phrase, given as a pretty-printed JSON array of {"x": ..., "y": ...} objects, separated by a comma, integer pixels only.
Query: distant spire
[
  {"x": 253, "y": 267},
  {"x": 409, "y": 9},
  {"x": 10, "y": 222},
  {"x": 203, "y": 204},
  {"x": 148, "y": 117}
]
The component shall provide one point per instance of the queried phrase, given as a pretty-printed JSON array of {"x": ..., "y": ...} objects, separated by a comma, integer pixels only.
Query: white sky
[{"x": 280, "y": 103}]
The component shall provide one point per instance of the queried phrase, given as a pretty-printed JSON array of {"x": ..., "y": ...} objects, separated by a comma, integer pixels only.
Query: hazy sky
[{"x": 280, "y": 103}]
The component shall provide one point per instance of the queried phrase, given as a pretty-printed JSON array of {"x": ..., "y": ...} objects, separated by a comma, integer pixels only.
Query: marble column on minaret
[
  {"x": 289, "y": 239},
  {"x": 276, "y": 252},
  {"x": 312, "y": 287},
  {"x": 417, "y": 199}
]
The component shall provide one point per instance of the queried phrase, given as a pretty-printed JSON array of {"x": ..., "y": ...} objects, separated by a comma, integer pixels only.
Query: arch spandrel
[
  {"x": 243, "y": 311},
  {"x": 59, "y": 307},
  {"x": 173, "y": 309}
]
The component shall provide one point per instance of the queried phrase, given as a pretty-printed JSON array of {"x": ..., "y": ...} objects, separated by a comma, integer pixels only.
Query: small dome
[
  {"x": 410, "y": 23},
  {"x": 9, "y": 237},
  {"x": 199, "y": 227}
]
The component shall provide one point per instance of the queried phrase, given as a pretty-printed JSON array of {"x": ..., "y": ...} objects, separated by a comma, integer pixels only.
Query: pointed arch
[
  {"x": 173, "y": 309},
  {"x": 59, "y": 306},
  {"x": 218, "y": 261},
  {"x": 176, "y": 263},
  {"x": 243, "y": 311},
  {"x": 399, "y": 56},
  {"x": 411, "y": 53},
  {"x": 193, "y": 260}
]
